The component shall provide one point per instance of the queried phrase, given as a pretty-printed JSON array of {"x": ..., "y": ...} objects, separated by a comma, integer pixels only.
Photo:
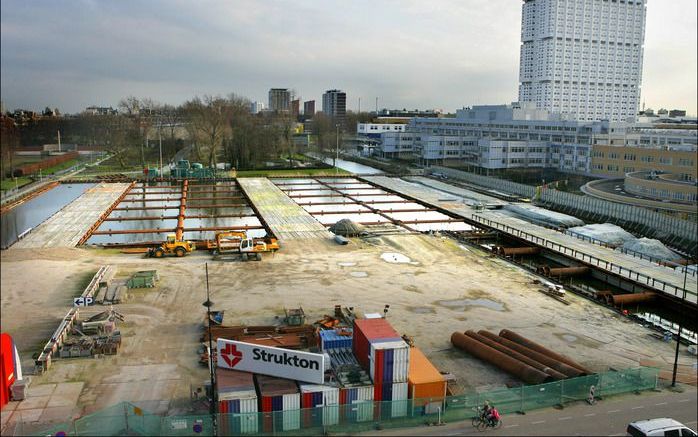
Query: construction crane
[
  {"x": 237, "y": 242},
  {"x": 172, "y": 246}
]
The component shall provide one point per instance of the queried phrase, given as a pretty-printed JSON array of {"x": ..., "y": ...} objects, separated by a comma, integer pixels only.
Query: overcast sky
[{"x": 409, "y": 53}]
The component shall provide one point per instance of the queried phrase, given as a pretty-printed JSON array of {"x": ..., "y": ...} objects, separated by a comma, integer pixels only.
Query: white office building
[{"x": 583, "y": 58}]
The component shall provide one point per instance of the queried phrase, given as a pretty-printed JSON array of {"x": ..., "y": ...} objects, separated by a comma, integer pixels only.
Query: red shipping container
[
  {"x": 7, "y": 367},
  {"x": 367, "y": 330}
]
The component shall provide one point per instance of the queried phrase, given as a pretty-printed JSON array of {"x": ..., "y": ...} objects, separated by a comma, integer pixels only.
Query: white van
[{"x": 660, "y": 427}]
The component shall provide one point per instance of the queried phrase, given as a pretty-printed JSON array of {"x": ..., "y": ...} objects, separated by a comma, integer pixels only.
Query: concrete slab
[
  {"x": 28, "y": 416},
  {"x": 66, "y": 227},
  {"x": 41, "y": 390},
  {"x": 57, "y": 414},
  {"x": 34, "y": 402}
]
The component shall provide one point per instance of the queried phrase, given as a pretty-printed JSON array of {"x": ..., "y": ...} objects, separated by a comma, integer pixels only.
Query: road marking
[
  {"x": 565, "y": 418},
  {"x": 639, "y": 407},
  {"x": 538, "y": 422},
  {"x": 590, "y": 415},
  {"x": 612, "y": 411},
  {"x": 662, "y": 403},
  {"x": 684, "y": 400},
  {"x": 512, "y": 426}
]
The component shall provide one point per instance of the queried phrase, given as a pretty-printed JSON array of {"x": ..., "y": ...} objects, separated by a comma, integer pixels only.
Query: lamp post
[
  {"x": 678, "y": 336},
  {"x": 337, "y": 148},
  {"x": 208, "y": 304}
]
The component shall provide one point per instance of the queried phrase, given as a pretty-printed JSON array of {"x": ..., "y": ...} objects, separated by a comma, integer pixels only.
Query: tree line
[{"x": 213, "y": 129}]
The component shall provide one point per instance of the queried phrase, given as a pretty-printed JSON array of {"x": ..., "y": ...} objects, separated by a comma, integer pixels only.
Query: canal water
[{"x": 32, "y": 213}]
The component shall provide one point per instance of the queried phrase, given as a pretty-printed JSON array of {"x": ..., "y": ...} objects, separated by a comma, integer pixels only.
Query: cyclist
[{"x": 493, "y": 416}]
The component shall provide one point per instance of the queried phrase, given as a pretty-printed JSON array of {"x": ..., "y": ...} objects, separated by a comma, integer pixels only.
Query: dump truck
[
  {"x": 172, "y": 246},
  {"x": 238, "y": 243}
]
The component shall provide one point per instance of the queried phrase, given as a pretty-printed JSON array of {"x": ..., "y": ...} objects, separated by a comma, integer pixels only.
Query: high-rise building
[
  {"x": 334, "y": 104},
  {"x": 295, "y": 107},
  {"x": 279, "y": 99},
  {"x": 309, "y": 108},
  {"x": 256, "y": 107},
  {"x": 583, "y": 58}
]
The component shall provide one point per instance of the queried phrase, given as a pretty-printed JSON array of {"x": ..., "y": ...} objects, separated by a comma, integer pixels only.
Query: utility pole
[
  {"x": 208, "y": 304},
  {"x": 678, "y": 336},
  {"x": 337, "y": 154},
  {"x": 59, "y": 140},
  {"x": 160, "y": 141},
  {"x": 142, "y": 153},
  {"x": 359, "y": 105}
]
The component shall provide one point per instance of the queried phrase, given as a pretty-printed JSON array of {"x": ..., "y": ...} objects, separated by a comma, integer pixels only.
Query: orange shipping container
[{"x": 424, "y": 380}]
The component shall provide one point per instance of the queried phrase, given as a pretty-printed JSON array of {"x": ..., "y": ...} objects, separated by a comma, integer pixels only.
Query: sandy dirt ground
[{"x": 442, "y": 288}]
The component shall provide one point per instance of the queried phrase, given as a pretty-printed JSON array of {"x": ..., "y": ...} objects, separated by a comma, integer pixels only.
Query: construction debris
[
  {"x": 347, "y": 228},
  {"x": 143, "y": 279}
]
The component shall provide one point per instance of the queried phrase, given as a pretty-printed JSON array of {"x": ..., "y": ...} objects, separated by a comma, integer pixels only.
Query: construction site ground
[{"x": 433, "y": 284}]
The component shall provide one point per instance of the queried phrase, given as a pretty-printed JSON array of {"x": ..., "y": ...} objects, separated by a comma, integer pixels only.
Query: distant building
[
  {"x": 409, "y": 113},
  {"x": 256, "y": 107},
  {"x": 295, "y": 108},
  {"x": 100, "y": 110},
  {"x": 677, "y": 113},
  {"x": 500, "y": 137},
  {"x": 279, "y": 99},
  {"x": 378, "y": 126},
  {"x": 582, "y": 58},
  {"x": 309, "y": 108},
  {"x": 334, "y": 105}
]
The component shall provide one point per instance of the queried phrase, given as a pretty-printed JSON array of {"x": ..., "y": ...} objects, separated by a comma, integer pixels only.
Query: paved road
[{"x": 607, "y": 417}]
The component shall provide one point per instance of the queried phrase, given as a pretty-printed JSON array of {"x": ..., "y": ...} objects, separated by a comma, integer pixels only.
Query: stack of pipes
[{"x": 519, "y": 356}]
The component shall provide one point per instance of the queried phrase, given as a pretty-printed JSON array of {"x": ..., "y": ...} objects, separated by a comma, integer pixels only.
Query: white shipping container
[
  {"x": 249, "y": 423},
  {"x": 401, "y": 359},
  {"x": 330, "y": 415},
  {"x": 364, "y": 393},
  {"x": 400, "y": 400},
  {"x": 291, "y": 404},
  {"x": 364, "y": 410},
  {"x": 243, "y": 395}
]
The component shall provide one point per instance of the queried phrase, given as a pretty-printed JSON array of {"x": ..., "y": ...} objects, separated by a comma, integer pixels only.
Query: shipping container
[
  {"x": 366, "y": 330},
  {"x": 280, "y": 401},
  {"x": 427, "y": 386},
  {"x": 357, "y": 403},
  {"x": 389, "y": 361},
  {"x": 390, "y": 400},
  {"x": 323, "y": 397},
  {"x": 237, "y": 402},
  {"x": 331, "y": 339}
]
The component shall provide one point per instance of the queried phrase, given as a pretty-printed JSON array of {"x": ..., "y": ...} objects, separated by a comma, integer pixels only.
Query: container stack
[
  {"x": 278, "y": 397},
  {"x": 330, "y": 339},
  {"x": 236, "y": 394},
  {"x": 427, "y": 385},
  {"x": 380, "y": 348},
  {"x": 315, "y": 395}
]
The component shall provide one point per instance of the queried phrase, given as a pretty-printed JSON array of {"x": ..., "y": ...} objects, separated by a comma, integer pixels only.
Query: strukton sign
[{"x": 272, "y": 361}]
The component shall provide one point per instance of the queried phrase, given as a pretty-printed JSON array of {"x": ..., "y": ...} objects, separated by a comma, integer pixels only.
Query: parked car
[{"x": 660, "y": 427}]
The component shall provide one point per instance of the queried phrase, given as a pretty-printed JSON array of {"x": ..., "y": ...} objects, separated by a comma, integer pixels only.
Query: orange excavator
[{"x": 237, "y": 242}]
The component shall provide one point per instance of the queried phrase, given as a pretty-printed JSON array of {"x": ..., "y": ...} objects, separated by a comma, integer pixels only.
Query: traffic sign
[{"x": 82, "y": 301}]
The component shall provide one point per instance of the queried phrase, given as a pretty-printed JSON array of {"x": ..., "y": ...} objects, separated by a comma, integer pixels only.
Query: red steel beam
[
  {"x": 370, "y": 202},
  {"x": 223, "y": 205},
  {"x": 182, "y": 209},
  {"x": 365, "y": 211},
  {"x": 144, "y": 208},
  {"x": 174, "y": 217},
  {"x": 339, "y": 194}
]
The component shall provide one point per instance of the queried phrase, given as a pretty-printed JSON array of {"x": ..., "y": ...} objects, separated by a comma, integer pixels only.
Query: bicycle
[{"x": 481, "y": 423}]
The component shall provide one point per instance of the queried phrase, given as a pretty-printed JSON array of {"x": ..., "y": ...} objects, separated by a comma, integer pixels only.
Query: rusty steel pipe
[
  {"x": 510, "y": 365},
  {"x": 182, "y": 210},
  {"x": 510, "y": 251},
  {"x": 566, "y": 271},
  {"x": 541, "y": 358},
  {"x": 632, "y": 298},
  {"x": 516, "y": 355},
  {"x": 513, "y": 336}
]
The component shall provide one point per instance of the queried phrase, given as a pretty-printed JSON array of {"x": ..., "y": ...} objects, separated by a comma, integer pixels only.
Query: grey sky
[{"x": 409, "y": 53}]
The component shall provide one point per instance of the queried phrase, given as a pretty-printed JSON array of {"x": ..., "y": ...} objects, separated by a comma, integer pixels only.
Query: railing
[
  {"x": 128, "y": 419},
  {"x": 657, "y": 284}
]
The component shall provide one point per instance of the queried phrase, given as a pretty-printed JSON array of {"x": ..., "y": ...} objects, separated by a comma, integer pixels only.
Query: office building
[
  {"x": 521, "y": 136},
  {"x": 295, "y": 108},
  {"x": 309, "y": 108},
  {"x": 583, "y": 58},
  {"x": 279, "y": 99},
  {"x": 334, "y": 105},
  {"x": 256, "y": 107}
]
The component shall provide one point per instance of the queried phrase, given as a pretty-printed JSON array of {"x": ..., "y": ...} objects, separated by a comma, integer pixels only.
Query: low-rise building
[{"x": 522, "y": 136}]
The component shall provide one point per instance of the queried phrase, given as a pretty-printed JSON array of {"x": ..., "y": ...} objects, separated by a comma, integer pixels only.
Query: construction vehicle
[
  {"x": 237, "y": 242},
  {"x": 172, "y": 246}
]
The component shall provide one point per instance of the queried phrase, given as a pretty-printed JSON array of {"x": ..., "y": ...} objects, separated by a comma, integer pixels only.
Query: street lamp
[
  {"x": 678, "y": 336},
  {"x": 337, "y": 154},
  {"x": 208, "y": 304}
]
